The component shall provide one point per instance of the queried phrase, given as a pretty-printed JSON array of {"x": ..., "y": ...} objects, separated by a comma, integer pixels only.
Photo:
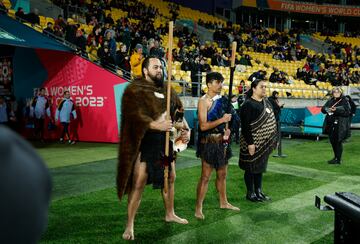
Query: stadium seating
[{"x": 264, "y": 61}]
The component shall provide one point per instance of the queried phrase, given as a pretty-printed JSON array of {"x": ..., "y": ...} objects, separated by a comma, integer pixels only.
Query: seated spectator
[
  {"x": 258, "y": 75},
  {"x": 218, "y": 59},
  {"x": 275, "y": 76},
  {"x": 60, "y": 22},
  {"x": 49, "y": 28},
  {"x": 96, "y": 36},
  {"x": 92, "y": 51},
  {"x": 20, "y": 15},
  {"x": 3, "y": 8},
  {"x": 245, "y": 60},
  {"x": 58, "y": 31},
  {"x": 109, "y": 19},
  {"x": 106, "y": 59},
  {"x": 355, "y": 77}
]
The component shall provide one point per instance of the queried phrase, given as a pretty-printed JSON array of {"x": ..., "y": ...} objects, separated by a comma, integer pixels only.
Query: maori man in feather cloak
[{"x": 142, "y": 142}]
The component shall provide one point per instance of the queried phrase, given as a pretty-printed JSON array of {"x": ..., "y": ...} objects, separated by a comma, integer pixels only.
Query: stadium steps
[
  {"x": 204, "y": 33},
  {"x": 46, "y": 8},
  {"x": 313, "y": 44}
]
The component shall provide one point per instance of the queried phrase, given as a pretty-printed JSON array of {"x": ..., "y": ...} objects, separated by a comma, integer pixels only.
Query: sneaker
[
  {"x": 73, "y": 143},
  {"x": 69, "y": 141},
  {"x": 61, "y": 140}
]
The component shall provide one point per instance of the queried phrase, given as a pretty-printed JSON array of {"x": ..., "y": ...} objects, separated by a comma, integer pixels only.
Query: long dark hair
[{"x": 254, "y": 84}]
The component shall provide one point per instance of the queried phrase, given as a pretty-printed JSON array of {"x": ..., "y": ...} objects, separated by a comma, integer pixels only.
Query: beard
[{"x": 158, "y": 79}]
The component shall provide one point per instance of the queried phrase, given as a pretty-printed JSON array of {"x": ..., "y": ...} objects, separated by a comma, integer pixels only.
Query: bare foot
[
  {"x": 229, "y": 206},
  {"x": 128, "y": 234},
  {"x": 176, "y": 219},
  {"x": 199, "y": 214}
]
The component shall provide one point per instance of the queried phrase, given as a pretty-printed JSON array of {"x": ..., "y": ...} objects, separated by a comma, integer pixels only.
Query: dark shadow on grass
[{"x": 329, "y": 238}]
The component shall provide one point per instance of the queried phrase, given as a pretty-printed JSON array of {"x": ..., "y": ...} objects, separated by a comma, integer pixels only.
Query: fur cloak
[{"x": 142, "y": 103}]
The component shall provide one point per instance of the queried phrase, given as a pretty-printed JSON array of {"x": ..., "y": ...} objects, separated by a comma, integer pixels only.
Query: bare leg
[
  {"x": 202, "y": 189},
  {"x": 221, "y": 187},
  {"x": 134, "y": 198},
  {"x": 168, "y": 198}
]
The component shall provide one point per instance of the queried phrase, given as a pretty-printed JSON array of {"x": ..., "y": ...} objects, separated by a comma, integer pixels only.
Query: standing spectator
[
  {"x": 4, "y": 112},
  {"x": 80, "y": 41},
  {"x": 64, "y": 111},
  {"x": 274, "y": 100},
  {"x": 39, "y": 109},
  {"x": 337, "y": 111},
  {"x": 123, "y": 59},
  {"x": 109, "y": 37},
  {"x": 70, "y": 33},
  {"x": 136, "y": 60},
  {"x": 352, "y": 114},
  {"x": 196, "y": 77},
  {"x": 242, "y": 91}
]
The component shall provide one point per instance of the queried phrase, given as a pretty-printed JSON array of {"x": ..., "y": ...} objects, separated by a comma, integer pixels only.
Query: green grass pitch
[{"x": 85, "y": 208}]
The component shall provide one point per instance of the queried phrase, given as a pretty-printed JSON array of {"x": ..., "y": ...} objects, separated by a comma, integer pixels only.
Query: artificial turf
[{"x": 85, "y": 208}]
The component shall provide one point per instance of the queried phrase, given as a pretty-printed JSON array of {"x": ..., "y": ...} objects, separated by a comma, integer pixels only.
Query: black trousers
[
  {"x": 39, "y": 128},
  {"x": 65, "y": 130},
  {"x": 253, "y": 182},
  {"x": 337, "y": 147}
]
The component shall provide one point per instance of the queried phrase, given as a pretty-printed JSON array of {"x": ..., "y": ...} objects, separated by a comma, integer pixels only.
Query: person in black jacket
[
  {"x": 274, "y": 100},
  {"x": 352, "y": 114},
  {"x": 337, "y": 111}
]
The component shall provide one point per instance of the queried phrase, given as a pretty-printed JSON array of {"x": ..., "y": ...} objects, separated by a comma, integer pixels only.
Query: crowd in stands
[
  {"x": 124, "y": 42},
  {"x": 319, "y": 69}
]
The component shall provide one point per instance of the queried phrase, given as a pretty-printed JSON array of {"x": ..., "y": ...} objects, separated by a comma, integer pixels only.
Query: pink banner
[{"x": 92, "y": 90}]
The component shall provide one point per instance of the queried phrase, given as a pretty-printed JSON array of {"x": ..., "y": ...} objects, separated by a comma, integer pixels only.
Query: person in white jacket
[{"x": 63, "y": 114}]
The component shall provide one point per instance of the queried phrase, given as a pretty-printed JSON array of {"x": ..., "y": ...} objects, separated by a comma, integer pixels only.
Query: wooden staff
[
  {"x": 167, "y": 138},
  {"x": 232, "y": 70}
]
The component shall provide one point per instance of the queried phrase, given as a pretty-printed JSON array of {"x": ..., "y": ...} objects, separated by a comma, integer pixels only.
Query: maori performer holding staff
[{"x": 143, "y": 130}]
